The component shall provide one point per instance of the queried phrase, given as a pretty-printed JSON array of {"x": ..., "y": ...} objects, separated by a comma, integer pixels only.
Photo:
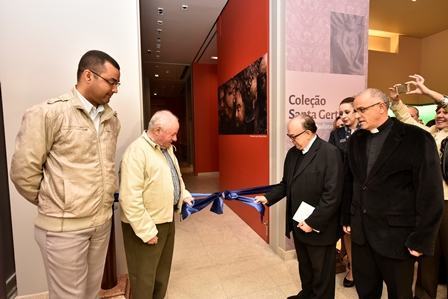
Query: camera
[{"x": 403, "y": 88}]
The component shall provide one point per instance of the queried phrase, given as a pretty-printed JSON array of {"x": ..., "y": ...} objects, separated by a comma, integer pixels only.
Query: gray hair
[
  {"x": 161, "y": 119},
  {"x": 377, "y": 94}
]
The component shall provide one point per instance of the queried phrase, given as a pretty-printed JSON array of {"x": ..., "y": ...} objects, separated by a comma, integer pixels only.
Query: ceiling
[
  {"x": 421, "y": 18},
  {"x": 185, "y": 36},
  {"x": 188, "y": 35}
]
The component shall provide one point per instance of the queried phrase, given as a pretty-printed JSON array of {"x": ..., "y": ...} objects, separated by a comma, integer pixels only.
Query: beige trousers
[{"x": 74, "y": 261}]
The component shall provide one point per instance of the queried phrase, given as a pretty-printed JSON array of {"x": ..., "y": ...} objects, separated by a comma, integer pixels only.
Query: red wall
[
  {"x": 243, "y": 37},
  {"x": 205, "y": 102}
]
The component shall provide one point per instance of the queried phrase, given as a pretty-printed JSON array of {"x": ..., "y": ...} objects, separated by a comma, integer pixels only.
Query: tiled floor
[{"x": 219, "y": 256}]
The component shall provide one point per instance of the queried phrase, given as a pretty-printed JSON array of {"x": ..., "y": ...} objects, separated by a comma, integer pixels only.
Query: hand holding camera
[{"x": 415, "y": 86}]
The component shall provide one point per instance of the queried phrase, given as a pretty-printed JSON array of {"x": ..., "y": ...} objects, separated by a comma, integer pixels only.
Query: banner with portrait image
[{"x": 326, "y": 57}]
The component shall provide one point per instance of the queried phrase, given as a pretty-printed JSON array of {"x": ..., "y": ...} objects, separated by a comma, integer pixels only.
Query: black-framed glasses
[
  {"x": 111, "y": 82},
  {"x": 364, "y": 109},
  {"x": 293, "y": 137}
]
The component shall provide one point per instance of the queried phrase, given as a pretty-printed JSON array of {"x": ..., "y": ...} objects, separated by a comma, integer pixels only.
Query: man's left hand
[
  {"x": 414, "y": 252},
  {"x": 189, "y": 200},
  {"x": 305, "y": 227}
]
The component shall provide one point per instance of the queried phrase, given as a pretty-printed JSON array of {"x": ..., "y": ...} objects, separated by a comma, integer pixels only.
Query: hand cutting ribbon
[{"x": 202, "y": 200}]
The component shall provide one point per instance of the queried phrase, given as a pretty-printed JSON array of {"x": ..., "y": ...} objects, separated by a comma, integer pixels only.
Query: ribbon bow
[{"x": 202, "y": 200}]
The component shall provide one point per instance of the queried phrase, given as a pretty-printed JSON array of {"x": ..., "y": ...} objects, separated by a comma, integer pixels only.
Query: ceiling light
[
  {"x": 160, "y": 10},
  {"x": 156, "y": 75},
  {"x": 414, "y": 0},
  {"x": 214, "y": 57},
  {"x": 155, "y": 93},
  {"x": 184, "y": 6},
  {"x": 160, "y": 22}
]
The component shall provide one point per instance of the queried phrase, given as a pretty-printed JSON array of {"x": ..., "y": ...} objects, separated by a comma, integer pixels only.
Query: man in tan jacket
[
  {"x": 151, "y": 190},
  {"x": 64, "y": 163}
]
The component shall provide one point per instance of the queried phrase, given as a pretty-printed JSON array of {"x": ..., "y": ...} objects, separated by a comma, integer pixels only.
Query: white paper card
[{"x": 303, "y": 212}]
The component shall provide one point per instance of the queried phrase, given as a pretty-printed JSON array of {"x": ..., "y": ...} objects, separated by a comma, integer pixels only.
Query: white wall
[{"x": 41, "y": 44}]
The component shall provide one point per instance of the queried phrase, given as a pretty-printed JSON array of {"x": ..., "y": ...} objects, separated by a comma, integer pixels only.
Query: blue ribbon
[{"x": 202, "y": 200}]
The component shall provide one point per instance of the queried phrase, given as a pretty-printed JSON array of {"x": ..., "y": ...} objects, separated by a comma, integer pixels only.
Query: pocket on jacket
[
  {"x": 401, "y": 220},
  {"x": 81, "y": 200},
  {"x": 76, "y": 137}
]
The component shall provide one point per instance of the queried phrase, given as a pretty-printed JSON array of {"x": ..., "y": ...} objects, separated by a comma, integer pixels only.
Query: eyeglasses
[
  {"x": 111, "y": 82},
  {"x": 293, "y": 137},
  {"x": 364, "y": 109}
]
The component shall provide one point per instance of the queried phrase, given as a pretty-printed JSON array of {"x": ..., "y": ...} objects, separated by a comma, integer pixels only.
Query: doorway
[{"x": 8, "y": 283}]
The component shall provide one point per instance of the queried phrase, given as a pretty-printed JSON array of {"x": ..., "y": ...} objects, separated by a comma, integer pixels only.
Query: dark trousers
[
  {"x": 428, "y": 266},
  {"x": 316, "y": 269},
  {"x": 149, "y": 266},
  {"x": 370, "y": 269}
]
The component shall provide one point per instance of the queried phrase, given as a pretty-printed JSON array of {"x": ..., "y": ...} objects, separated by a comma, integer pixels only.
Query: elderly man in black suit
[
  {"x": 312, "y": 174},
  {"x": 393, "y": 200}
]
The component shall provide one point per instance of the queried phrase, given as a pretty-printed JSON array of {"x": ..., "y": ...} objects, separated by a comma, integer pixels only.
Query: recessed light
[
  {"x": 155, "y": 93},
  {"x": 214, "y": 57},
  {"x": 414, "y": 0},
  {"x": 156, "y": 75},
  {"x": 160, "y": 22},
  {"x": 184, "y": 6}
]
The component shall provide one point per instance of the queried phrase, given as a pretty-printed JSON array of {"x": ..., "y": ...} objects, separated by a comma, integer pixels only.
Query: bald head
[
  {"x": 301, "y": 129},
  {"x": 162, "y": 119},
  {"x": 371, "y": 107},
  {"x": 163, "y": 128},
  {"x": 305, "y": 122}
]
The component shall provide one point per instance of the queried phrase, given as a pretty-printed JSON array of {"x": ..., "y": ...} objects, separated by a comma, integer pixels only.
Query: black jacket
[
  {"x": 399, "y": 204},
  {"x": 317, "y": 181}
]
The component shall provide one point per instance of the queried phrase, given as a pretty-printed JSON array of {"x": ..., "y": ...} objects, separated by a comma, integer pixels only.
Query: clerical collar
[
  {"x": 385, "y": 125},
  {"x": 307, "y": 148}
]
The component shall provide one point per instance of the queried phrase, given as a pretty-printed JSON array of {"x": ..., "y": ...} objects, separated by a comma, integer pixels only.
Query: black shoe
[
  {"x": 300, "y": 295},
  {"x": 348, "y": 283}
]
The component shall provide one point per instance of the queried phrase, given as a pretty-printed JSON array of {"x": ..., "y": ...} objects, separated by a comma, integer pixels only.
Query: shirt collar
[
  {"x": 150, "y": 141},
  {"x": 87, "y": 105},
  {"x": 307, "y": 148},
  {"x": 153, "y": 143},
  {"x": 383, "y": 126}
]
